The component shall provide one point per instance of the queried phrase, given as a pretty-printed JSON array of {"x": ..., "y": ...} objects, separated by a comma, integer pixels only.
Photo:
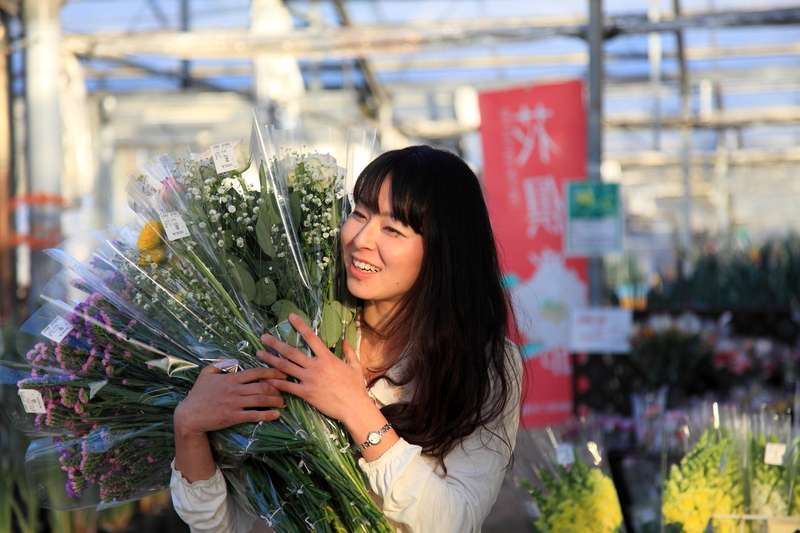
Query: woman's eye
[
  {"x": 391, "y": 230},
  {"x": 358, "y": 215}
]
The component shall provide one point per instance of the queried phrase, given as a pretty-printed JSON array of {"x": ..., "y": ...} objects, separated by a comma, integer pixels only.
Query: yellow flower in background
[
  {"x": 584, "y": 500},
  {"x": 156, "y": 255},
  {"x": 707, "y": 482},
  {"x": 150, "y": 236}
]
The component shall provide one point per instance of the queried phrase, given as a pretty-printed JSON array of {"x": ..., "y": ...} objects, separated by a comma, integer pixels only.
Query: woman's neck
[
  {"x": 376, "y": 313},
  {"x": 373, "y": 346}
]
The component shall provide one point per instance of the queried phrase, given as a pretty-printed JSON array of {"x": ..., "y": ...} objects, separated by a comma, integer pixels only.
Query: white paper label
[
  {"x": 565, "y": 454},
  {"x": 57, "y": 329},
  {"x": 174, "y": 225},
  {"x": 224, "y": 157},
  {"x": 233, "y": 183},
  {"x": 32, "y": 401},
  {"x": 251, "y": 178},
  {"x": 773, "y": 453}
]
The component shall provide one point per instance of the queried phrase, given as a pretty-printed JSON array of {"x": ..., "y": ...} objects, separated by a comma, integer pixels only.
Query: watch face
[{"x": 373, "y": 438}]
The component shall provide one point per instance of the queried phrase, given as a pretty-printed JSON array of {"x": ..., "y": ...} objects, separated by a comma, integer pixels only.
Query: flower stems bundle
[
  {"x": 569, "y": 485},
  {"x": 219, "y": 256}
]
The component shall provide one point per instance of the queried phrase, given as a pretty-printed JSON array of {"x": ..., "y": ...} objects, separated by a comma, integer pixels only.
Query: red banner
[{"x": 534, "y": 141}]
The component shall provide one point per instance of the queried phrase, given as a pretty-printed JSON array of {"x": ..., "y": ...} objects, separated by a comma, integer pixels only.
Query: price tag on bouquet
[
  {"x": 224, "y": 157},
  {"x": 251, "y": 178},
  {"x": 32, "y": 401},
  {"x": 57, "y": 329},
  {"x": 174, "y": 225},
  {"x": 565, "y": 454},
  {"x": 773, "y": 453}
]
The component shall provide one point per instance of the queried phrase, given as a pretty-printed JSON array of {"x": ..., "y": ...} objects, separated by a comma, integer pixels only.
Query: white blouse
[{"x": 410, "y": 487}]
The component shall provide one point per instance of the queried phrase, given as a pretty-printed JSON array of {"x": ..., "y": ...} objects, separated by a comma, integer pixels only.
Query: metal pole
[
  {"x": 595, "y": 141},
  {"x": 186, "y": 65},
  {"x": 686, "y": 137},
  {"x": 654, "y": 54},
  {"x": 7, "y": 282},
  {"x": 43, "y": 142}
]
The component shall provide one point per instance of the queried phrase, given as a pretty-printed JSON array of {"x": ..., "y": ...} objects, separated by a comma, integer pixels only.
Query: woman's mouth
[{"x": 362, "y": 269}]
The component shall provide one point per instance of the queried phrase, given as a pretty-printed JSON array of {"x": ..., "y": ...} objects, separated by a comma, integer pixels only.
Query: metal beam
[{"x": 363, "y": 40}]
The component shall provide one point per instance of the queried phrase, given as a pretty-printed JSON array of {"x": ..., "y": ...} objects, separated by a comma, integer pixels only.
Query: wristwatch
[{"x": 374, "y": 437}]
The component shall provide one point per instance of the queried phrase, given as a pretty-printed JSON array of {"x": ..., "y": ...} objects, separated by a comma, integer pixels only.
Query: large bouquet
[
  {"x": 221, "y": 253},
  {"x": 568, "y": 481}
]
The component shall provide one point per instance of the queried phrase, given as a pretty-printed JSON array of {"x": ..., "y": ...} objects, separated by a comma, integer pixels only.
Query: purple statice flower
[{"x": 69, "y": 487}]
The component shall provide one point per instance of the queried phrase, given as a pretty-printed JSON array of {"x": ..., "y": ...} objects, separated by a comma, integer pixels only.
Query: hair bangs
[{"x": 407, "y": 189}]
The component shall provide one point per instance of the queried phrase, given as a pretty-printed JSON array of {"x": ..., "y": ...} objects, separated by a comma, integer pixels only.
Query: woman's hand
[
  {"x": 333, "y": 386},
  {"x": 219, "y": 400}
]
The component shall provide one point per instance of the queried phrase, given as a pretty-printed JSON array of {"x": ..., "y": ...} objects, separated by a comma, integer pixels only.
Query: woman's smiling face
[{"x": 382, "y": 256}]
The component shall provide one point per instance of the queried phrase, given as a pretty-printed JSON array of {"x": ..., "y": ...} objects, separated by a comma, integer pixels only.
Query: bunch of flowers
[
  {"x": 220, "y": 254},
  {"x": 569, "y": 486},
  {"x": 707, "y": 482}
]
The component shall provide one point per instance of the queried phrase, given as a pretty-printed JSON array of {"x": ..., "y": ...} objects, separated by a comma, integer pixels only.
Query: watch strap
[{"x": 380, "y": 432}]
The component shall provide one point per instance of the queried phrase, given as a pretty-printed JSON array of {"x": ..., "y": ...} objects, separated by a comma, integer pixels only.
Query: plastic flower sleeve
[{"x": 564, "y": 471}]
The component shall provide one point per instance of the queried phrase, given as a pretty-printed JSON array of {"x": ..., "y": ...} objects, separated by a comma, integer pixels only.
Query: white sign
[
  {"x": 773, "y": 453},
  {"x": 32, "y": 401},
  {"x": 57, "y": 329},
  {"x": 224, "y": 157},
  {"x": 605, "y": 330},
  {"x": 174, "y": 225}
]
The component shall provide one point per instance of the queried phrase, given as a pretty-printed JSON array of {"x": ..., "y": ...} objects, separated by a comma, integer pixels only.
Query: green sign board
[{"x": 594, "y": 218}]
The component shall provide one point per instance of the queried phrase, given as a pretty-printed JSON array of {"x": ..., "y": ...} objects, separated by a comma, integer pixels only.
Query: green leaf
[
  {"x": 263, "y": 233},
  {"x": 333, "y": 323},
  {"x": 245, "y": 280},
  {"x": 282, "y": 309},
  {"x": 297, "y": 213},
  {"x": 266, "y": 292}
]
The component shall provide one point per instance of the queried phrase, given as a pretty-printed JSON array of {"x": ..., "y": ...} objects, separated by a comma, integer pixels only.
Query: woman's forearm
[{"x": 193, "y": 458}]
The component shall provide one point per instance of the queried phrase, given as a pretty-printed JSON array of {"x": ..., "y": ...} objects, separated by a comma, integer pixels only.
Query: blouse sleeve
[
  {"x": 205, "y": 506},
  {"x": 416, "y": 495}
]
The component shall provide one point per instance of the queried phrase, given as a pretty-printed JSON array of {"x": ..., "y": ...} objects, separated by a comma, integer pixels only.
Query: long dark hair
[{"x": 455, "y": 319}]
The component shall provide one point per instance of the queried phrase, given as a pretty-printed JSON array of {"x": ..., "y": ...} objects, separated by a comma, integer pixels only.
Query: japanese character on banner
[
  {"x": 545, "y": 205},
  {"x": 528, "y": 129}
]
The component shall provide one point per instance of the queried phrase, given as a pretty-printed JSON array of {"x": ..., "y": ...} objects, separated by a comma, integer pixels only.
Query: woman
[{"x": 430, "y": 393}]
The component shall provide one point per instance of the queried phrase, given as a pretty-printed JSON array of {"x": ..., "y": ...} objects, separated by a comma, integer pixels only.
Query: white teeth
[{"x": 365, "y": 266}]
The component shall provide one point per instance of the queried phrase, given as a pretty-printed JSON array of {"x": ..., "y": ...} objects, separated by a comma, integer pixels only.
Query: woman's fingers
[
  {"x": 286, "y": 350},
  {"x": 287, "y": 386},
  {"x": 259, "y": 387},
  {"x": 257, "y": 416},
  {"x": 350, "y": 355},
  {"x": 260, "y": 400},
  {"x": 311, "y": 338},
  {"x": 284, "y": 365},
  {"x": 258, "y": 374}
]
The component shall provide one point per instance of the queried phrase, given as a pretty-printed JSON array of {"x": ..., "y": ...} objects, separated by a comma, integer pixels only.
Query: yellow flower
[
  {"x": 155, "y": 255},
  {"x": 587, "y": 503},
  {"x": 150, "y": 236}
]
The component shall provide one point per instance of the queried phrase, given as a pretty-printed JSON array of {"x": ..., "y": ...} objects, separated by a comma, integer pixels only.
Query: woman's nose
[{"x": 365, "y": 238}]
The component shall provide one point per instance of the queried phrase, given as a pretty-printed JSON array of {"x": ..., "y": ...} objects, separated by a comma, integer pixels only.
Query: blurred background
[{"x": 689, "y": 109}]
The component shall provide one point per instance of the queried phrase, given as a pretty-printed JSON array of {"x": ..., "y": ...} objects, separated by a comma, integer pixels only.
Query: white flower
[
  {"x": 240, "y": 242},
  {"x": 231, "y": 208}
]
